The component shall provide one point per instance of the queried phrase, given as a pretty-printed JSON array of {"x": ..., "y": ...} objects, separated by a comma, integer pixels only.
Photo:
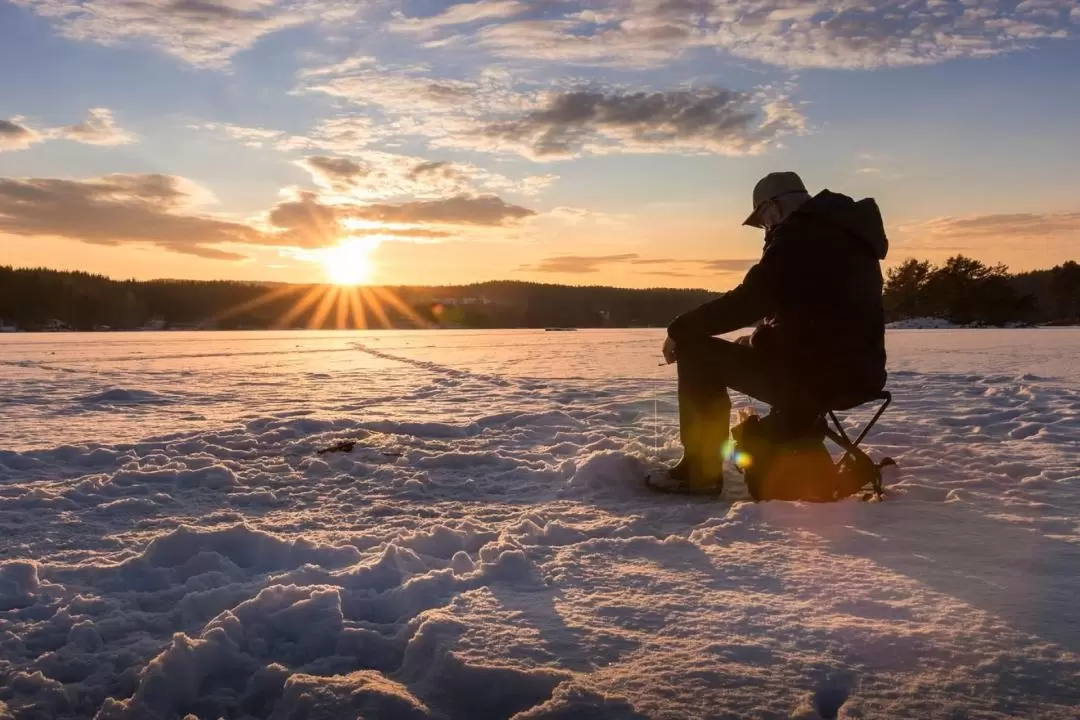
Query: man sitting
[{"x": 816, "y": 296}]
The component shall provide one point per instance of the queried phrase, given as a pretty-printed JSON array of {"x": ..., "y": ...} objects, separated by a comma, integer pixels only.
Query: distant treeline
[
  {"x": 966, "y": 291},
  {"x": 38, "y": 298},
  {"x": 961, "y": 290}
]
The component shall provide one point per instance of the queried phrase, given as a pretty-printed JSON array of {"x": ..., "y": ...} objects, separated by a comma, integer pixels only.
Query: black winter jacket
[{"x": 817, "y": 290}]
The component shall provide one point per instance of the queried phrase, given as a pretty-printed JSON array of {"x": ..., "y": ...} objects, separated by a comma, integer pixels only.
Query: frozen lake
[
  {"x": 122, "y": 387},
  {"x": 174, "y": 544}
]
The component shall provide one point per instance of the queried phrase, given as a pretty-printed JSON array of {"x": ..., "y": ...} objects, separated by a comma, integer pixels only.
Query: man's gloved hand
[{"x": 669, "y": 350}]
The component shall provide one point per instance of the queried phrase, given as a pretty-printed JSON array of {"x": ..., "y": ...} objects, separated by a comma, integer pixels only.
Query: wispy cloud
[
  {"x": 581, "y": 264},
  {"x": 343, "y": 134},
  {"x": 460, "y": 14},
  {"x": 205, "y": 33},
  {"x": 254, "y": 137},
  {"x": 14, "y": 135},
  {"x": 728, "y": 266},
  {"x": 99, "y": 128},
  {"x": 486, "y": 210},
  {"x": 377, "y": 175},
  {"x": 578, "y": 264},
  {"x": 1015, "y": 226},
  {"x": 494, "y": 114},
  {"x": 788, "y": 33}
]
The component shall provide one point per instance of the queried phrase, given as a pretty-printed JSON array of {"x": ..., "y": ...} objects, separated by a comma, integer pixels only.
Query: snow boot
[{"x": 688, "y": 477}]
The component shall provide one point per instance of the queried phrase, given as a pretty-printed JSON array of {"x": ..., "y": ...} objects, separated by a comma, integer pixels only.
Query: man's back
[{"x": 823, "y": 269}]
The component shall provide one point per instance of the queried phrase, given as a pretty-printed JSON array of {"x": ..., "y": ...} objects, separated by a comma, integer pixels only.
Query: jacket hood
[{"x": 862, "y": 220}]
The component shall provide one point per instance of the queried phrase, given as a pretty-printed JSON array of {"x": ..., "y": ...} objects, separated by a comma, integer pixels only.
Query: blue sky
[{"x": 611, "y": 141}]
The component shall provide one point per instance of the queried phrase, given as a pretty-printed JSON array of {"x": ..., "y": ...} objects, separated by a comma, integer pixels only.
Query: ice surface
[{"x": 175, "y": 547}]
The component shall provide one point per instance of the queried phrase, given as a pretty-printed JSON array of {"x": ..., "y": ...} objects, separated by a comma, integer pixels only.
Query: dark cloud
[
  {"x": 730, "y": 266},
  {"x": 441, "y": 168},
  {"x": 14, "y": 136},
  {"x": 584, "y": 263},
  {"x": 306, "y": 222},
  {"x": 578, "y": 264},
  {"x": 683, "y": 267},
  {"x": 1025, "y": 225},
  {"x": 655, "y": 261},
  {"x": 484, "y": 210},
  {"x": 337, "y": 173},
  {"x": 705, "y": 120},
  {"x": 158, "y": 210},
  {"x": 670, "y": 273},
  {"x": 117, "y": 209}
]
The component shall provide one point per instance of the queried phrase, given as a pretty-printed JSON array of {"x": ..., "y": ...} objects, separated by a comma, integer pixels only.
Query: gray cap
[{"x": 771, "y": 187}]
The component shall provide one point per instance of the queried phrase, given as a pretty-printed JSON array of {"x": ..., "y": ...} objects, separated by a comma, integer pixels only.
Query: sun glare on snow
[{"x": 349, "y": 262}]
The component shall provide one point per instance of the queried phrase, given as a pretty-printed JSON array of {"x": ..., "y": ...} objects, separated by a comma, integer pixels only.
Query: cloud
[
  {"x": 496, "y": 113},
  {"x": 306, "y": 222},
  {"x": 584, "y": 121},
  {"x": 728, "y": 266},
  {"x": 578, "y": 264},
  {"x": 787, "y": 33},
  {"x": 205, "y": 33},
  {"x": 99, "y": 128},
  {"x": 345, "y": 134},
  {"x": 487, "y": 210},
  {"x": 309, "y": 221},
  {"x": 392, "y": 87},
  {"x": 1012, "y": 226},
  {"x": 460, "y": 14},
  {"x": 118, "y": 209},
  {"x": 336, "y": 173},
  {"x": 16, "y": 136},
  {"x": 670, "y": 273},
  {"x": 254, "y": 137},
  {"x": 625, "y": 33},
  {"x": 377, "y": 175},
  {"x": 160, "y": 210}
]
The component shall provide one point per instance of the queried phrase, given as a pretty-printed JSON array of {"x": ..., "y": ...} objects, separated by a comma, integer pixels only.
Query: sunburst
[{"x": 352, "y": 307}]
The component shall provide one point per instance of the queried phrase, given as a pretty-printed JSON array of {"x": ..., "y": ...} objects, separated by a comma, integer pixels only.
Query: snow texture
[{"x": 176, "y": 548}]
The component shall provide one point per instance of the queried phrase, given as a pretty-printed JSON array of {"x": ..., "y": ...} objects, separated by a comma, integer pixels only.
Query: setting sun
[{"x": 348, "y": 263}]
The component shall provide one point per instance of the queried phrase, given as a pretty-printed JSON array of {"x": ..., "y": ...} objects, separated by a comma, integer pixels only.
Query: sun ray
[
  {"x": 373, "y": 303},
  {"x": 356, "y": 308},
  {"x": 342, "y": 307},
  {"x": 325, "y": 306},
  {"x": 264, "y": 299},
  {"x": 399, "y": 305},
  {"x": 303, "y": 304}
]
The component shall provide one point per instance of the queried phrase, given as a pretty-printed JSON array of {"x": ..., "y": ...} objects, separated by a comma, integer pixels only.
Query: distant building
[
  {"x": 54, "y": 325},
  {"x": 455, "y": 302},
  {"x": 155, "y": 324}
]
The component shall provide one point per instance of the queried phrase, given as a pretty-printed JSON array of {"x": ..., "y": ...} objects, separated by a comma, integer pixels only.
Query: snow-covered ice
[{"x": 174, "y": 546}]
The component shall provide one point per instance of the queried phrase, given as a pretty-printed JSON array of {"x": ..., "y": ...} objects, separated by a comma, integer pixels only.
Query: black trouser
[{"x": 707, "y": 369}]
